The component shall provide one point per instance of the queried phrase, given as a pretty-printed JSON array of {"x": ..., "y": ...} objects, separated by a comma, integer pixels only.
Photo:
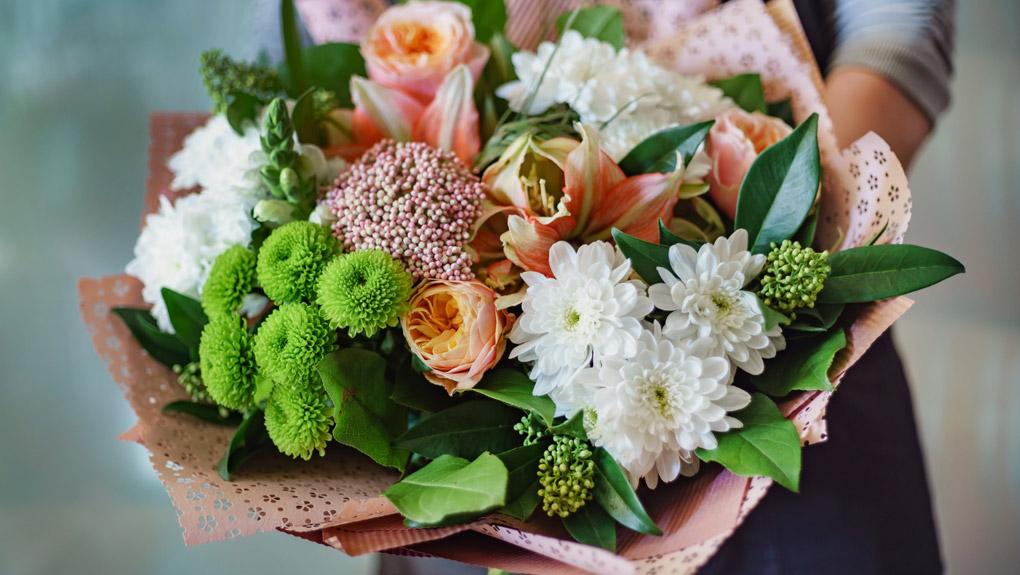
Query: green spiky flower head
[
  {"x": 364, "y": 291},
  {"x": 793, "y": 277},
  {"x": 231, "y": 278},
  {"x": 298, "y": 420},
  {"x": 567, "y": 476},
  {"x": 291, "y": 260},
  {"x": 291, "y": 342},
  {"x": 228, "y": 362}
]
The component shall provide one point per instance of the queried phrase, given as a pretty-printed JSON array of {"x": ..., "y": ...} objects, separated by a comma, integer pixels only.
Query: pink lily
[{"x": 449, "y": 122}]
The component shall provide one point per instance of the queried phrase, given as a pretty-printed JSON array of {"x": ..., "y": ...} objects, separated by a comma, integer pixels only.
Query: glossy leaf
[
  {"x": 766, "y": 445},
  {"x": 782, "y": 109},
  {"x": 187, "y": 317},
  {"x": 573, "y": 427},
  {"x": 411, "y": 389},
  {"x": 242, "y": 110},
  {"x": 205, "y": 411},
  {"x": 645, "y": 257},
  {"x": 745, "y": 90},
  {"x": 303, "y": 119},
  {"x": 292, "y": 52},
  {"x": 522, "y": 479},
  {"x": 773, "y": 317},
  {"x": 515, "y": 388},
  {"x": 165, "y": 348},
  {"x": 803, "y": 366},
  {"x": 466, "y": 430},
  {"x": 818, "y": 319},
  {"x": 871, "y": 273},
  {"x": 331, "y": 66},
  {"x": 366, "y": 418},
  {"x": 614, "y": 493},
  {"x": 603, "y": 23},
  {"x": 488, "y": 17},
  {"x": 657, "y": 153},
  {"x": 668, "y": 238},
  {"x": 249, "y": 438},
  {"x": 780, "y": 187},
  {"x": 591, "y": 525},
  {"x": 450, "y": 490}
]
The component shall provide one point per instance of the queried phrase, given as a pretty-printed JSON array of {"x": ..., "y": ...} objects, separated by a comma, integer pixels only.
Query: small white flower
[
  {"x": 585, "y": 312},
  {"x": 179, "y": 243},
  {"x": 214, "y": 156},
  {"x": 651, "y": 411},
  {"x": 704, "y": 293}
]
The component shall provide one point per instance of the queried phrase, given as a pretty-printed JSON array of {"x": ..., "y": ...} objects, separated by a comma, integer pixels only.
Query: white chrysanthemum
[
  {"x": 179, "y": 243},
  {"x": 636, "y": 96},
  {"x": 214, "y": 157},
  {"x": 704, "y": 293},
  {"x": 586, "y": 311},
  {"x": 651, "y": 411}
]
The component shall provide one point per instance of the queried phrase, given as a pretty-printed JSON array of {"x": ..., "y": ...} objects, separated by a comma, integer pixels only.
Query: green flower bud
[
  {"x": 291, "y": 260},
  {"x": 364, "y": 291},
  {"x": 793, "y": 276},
  {"x": 228, "y": 362},
  {"x": 532, "y": 428},
  {"x": 298, "y": 420},
  {"x": 231, "y": 278},
  {"x": 291, "y": 342}
]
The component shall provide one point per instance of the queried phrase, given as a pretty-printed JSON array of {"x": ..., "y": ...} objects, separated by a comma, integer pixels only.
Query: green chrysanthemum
[
  {"x": 228, "y": 364},
  {"x": 298, "y": 420},
  {"x": 231, "y": 278},
  {"x": 532, "y": 428},
  {"x": 793, "y": 276},
  {"x": 291, "y": 342},
  {"x": 364, "y": 291},
  {"x": 567, "y": 475},
  {"x": 292, "y": 259}
]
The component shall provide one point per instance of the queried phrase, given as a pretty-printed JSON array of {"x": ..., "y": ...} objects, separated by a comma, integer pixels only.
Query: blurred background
[{"x": 77, "y": 81}]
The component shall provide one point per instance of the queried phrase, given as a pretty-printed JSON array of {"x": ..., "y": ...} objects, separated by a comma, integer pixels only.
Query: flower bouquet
[{"x": 567, "y": 308}]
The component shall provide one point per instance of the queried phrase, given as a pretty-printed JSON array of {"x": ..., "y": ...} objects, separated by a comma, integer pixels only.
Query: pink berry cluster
[{"x": 413, "y": 201}]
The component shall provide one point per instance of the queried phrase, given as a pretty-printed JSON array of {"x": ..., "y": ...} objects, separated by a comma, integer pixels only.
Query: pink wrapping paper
[{"x": 335, "y": 500}]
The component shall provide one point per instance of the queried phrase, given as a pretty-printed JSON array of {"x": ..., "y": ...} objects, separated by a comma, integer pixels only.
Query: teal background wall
[{"x": 77, "y": 80}]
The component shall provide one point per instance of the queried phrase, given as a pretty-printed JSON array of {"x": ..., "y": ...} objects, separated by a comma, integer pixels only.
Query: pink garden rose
[
  {"x": 412, "y": 47},
  {"x": 456, "y": 330},
  {"x": 734, "y": 142}
]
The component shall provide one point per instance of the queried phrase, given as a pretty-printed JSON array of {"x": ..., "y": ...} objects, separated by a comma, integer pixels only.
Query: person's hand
[{"x": 860, "y": 101}]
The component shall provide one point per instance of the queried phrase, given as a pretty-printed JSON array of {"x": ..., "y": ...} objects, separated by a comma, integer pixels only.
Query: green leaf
[
  {"x": 515, "y": 388},
  {"x": 614, "y": 493},
  {"x": 331, "y": 66},
  {"x": 745, "y": 90},
  {"x": 366, "y": 418},
  {"x": 165, "y": 348},
  {"x": 871, "y": 273},
  {"x": 573, "y": 427},
  {"x": 591, "y": 525},
  {"x": 766, "y": 445},
  {"x": 467, "y": 430},
  {"x": 782, "y": 109},
  {"x": 522, "y": 479},
  {"x": 818, "y": 319},
  {"x": 204, "y": 411},
  {"x": 668, "y": 238},
  {"x": 488, "y": 17},
  {"x": 645, "y": 257},
  {"x": 303, "y": 119},
  {"x": 806, "y": 234},
  {"x": 293, "y": 55},
  {"x": 187, "y": 317},
  {"x": 780, "y": 188},
  {"x": 242, "y": 109},
  {"x": 803, "y": 366},
  {"x": 772, "y": 317},
  {"x": 412, "y": 390},
  {"x": 657, "y": 153},
  {"x": 419, "y": 365},
  {"x": 603, "y": 23},
  {"x": 249, "y": 438},
  {"x": 450, "y": 490}
]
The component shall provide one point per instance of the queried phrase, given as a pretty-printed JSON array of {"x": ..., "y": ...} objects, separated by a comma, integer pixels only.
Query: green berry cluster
[
  {"x": 189, "y": 376},
  {"x": 291, "y": 260},
  {"x": 793, "y": 277},
  {"x": 231, "y": 278},
  {"x": 364, "y": 291},
  {"x": 567, "y": 476},
  {"x": 225, "y": 77},
  {"x": 532, "y": 428}
]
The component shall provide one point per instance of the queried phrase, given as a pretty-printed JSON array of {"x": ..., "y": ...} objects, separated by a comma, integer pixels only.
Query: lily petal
[
  {"x": 590, "y": 175},
  {"x": 527, "y": 243},
  {"x": 451, "y": 121},
  {"x": 635, "y": 206},
  {"x": 382, "y": 112}
]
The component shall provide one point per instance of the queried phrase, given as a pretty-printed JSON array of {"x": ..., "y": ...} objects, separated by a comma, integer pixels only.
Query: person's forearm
[{"x": 861, "y": 101}]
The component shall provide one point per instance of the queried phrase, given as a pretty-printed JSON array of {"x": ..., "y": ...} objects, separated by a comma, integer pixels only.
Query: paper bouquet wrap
[{"x": 337, "y": 500}]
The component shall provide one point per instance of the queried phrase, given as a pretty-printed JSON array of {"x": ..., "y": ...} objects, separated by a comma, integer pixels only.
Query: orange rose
[
  {"x": 456, "y": 330},
  {"x": 412, "y": 47},
  {"x": 734, "y": 142}
]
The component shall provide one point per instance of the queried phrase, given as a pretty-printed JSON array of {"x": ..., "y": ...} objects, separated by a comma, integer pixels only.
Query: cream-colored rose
[
  {"x": 734, "y": 142},
  {"x": 412, "y": 47},
  {"x": 456, "y": 330}
]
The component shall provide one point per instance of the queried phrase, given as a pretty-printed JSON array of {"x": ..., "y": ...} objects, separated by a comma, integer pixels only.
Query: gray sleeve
[{"x": 910, "y": 42}]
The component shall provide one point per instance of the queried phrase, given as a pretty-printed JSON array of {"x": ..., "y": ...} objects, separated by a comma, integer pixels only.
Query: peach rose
[
  {"x": 734, "y": 142},
  {"x": 412, "y": 47},
  {"x": 456, "y": 330}
]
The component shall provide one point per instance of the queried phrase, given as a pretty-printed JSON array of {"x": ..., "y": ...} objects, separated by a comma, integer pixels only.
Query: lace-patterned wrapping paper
[{"x": 335, "y": 500}]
